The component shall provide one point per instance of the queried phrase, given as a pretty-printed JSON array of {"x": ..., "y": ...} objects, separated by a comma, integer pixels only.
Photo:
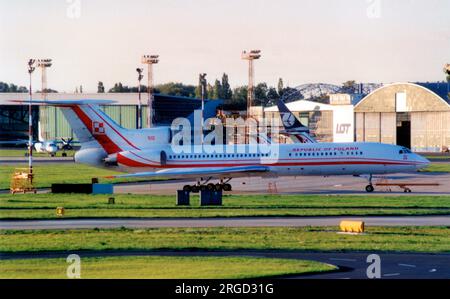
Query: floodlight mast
[
  {"x": 150, "y": 60},
  {"x": 250, "y": 56},
  {"x": 140, "y": 76},
  {"x": 43, "y": 64},
  {"x": 31, "y": 69}
]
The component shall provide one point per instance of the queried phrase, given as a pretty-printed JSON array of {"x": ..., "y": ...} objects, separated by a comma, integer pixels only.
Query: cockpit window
[{"x": 405, "y": 151}]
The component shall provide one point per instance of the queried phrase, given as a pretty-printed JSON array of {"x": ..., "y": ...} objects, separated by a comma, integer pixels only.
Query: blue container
[{"x": 102, "y": 189}]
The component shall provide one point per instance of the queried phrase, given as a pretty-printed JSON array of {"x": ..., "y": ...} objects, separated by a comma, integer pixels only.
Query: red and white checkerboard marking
[{"x": 98, "y": 128}]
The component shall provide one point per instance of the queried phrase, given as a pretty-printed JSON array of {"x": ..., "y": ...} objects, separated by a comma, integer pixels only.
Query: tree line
[
  {"x": 235, "y": 98},
  {"x": 5, "y": 87}
]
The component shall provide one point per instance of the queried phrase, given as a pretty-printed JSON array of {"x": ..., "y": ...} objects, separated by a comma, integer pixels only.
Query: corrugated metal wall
[
  {"x": 359, "y": 126},
  {"x": 55, "y": 126},
  {"x": 372, "y": 127},
  {"x": 430, "y": 131},
  {"x": 388, "y": 127}
]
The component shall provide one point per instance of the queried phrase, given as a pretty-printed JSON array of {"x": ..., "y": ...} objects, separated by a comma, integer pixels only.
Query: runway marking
[
  {"x": 342, "y": 259},
  {"x": 391, "y": 274},
  {"x": 407, "y": 265}
]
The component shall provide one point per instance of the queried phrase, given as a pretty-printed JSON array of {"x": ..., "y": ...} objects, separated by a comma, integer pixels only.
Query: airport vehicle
[{"x": 151, "y": 152}]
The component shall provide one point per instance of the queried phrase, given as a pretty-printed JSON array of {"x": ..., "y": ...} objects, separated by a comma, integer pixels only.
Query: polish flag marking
[{"x": 98, "y": 128}]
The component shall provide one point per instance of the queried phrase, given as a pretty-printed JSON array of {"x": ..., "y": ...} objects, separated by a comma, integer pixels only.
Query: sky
[{"x": 302, "y": 41}]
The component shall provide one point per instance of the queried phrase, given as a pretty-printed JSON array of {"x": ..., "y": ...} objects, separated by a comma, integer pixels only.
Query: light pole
[
  {"x": 140, "y": 76},
  {"x": 202, "y": 80},
  {"x": 31, "y": 69},
  {"x": 150, "y": 60}
]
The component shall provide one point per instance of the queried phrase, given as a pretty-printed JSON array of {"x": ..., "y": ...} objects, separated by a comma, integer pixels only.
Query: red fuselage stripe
[
  {"x": 118, "y": 133},
  {"x": 108, "y": 145},
  {"x": 133, "y": 163}
]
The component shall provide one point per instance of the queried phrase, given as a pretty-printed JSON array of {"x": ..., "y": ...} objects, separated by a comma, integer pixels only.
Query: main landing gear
[
  {"x": 370, "y": 188},
  {"x": 222, "y": 186}
]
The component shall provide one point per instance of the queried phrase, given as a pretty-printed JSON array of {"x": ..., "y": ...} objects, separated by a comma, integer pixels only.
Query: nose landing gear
[{"x": 370, "y": 188}]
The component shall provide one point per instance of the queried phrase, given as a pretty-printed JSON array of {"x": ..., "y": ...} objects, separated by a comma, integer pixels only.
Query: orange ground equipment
[{"x": 22, "y": 181}]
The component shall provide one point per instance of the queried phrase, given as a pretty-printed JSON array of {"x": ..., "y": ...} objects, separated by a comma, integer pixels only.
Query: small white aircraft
[
  {"x": 150, "y": 153},
  {"x": 45, "y": 146}
]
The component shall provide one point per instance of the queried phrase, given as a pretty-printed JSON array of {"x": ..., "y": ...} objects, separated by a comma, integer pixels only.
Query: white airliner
[{"x": 149, "y": 153}]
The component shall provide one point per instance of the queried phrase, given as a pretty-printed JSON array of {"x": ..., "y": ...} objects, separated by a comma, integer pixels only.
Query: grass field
[
  {"x": 42, "y": 206},
  {"x": 412, "y": 239},
  {"x": 437, "y": 167},
  {"x": 22, "y": 152},
  {"x": 46, "y": 174},
  {"x": 160, "y": 267}
]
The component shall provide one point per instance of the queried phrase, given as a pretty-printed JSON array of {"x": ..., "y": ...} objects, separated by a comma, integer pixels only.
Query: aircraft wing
[
  {"x": 215, "y": 172},
  {"x": 14, "y": 142}
]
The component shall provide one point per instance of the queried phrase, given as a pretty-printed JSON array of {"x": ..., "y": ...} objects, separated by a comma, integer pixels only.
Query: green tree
[
  {"x": 349, "y": 86},
  {"x": 217, "y": 90},
  {"x": 226, "y": 92},
  {"x": 280, "y": 87},
  {"x": 5, "y": 87},
  {"x": 260, "y": 94},
  {"x": 100, "y": 87},
  {"x": 272, "y": 96},
  {"x": 239, "y": 98}
]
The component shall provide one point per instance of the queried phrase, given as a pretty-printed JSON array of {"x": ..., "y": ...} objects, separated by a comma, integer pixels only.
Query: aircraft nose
[{"x": 423, "y": 162}]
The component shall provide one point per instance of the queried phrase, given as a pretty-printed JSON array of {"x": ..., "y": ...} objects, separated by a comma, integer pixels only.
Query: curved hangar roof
[{"x": 417, "y": 97}]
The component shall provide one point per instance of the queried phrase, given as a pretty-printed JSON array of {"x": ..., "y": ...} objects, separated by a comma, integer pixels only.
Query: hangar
[{"x": 413, "y": 115}]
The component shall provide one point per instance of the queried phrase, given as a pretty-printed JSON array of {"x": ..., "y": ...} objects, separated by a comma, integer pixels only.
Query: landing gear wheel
[
  {"x": 195, "y": 189},
  {"x": 217, "y": 187},
  {"x": 210, "y": 186},
  {"x": 369, "y": 188},
  {"x": 226, "y": 187},
  {"x": 406, "y": 190},
  {"x": 187, "y": 188}
]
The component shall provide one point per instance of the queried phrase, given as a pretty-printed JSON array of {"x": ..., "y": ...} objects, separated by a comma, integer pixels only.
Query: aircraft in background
[
  {"x": 45, "y": 146},
  {"x": 149, "y": 153},
  {"x": 292, "y": 126}
]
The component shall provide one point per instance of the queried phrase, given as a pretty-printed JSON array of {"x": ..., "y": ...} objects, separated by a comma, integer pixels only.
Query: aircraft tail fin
[
  {"x": 93, "y": 127},
  {"x": 292, "y": 126}
]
